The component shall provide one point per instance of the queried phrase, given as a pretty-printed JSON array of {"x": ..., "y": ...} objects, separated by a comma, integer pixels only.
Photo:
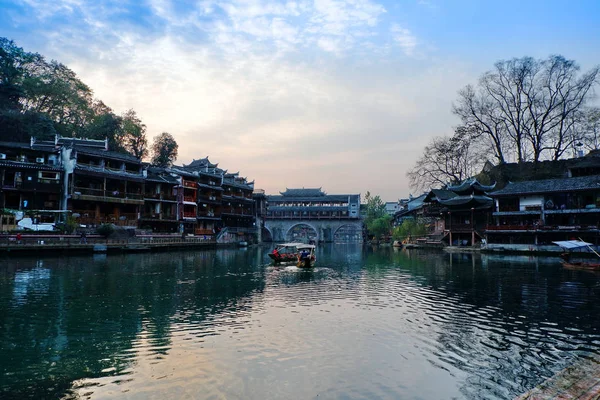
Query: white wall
[{"x": 530, "y": 201}]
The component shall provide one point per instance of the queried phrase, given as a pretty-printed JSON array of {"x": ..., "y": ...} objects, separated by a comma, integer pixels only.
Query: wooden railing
[
  {"x": 510, "y": 227},
  {"x": 115, "y": 193}
]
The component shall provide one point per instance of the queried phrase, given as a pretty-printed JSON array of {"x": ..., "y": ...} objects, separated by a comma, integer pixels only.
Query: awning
[{"x": 572, "y": 244}]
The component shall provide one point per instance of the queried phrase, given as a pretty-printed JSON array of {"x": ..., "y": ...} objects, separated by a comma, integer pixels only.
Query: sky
[{"x": 338, "y": 94}]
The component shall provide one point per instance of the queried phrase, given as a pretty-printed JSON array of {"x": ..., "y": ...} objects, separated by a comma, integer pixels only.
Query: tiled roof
[
  {"x": 550, "y": 186},
  {"x": 28, "y": 165},
  {"x": 439, "y": 194},
  {"x": 476, "y": 201},
  {"x": 470, "y": 185},
  {"x": 353, "y": 198},
  {"x": 106, "y": 154},
  {"x": 304, "y": 192},
  {"x": 98, "y": 171}
]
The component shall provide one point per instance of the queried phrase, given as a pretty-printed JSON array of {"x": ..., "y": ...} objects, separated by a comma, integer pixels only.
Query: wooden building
[{"x": 103, "y": 186}]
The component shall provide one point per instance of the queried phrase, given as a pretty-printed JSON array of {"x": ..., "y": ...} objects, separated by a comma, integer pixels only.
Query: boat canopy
[
  {"x": 291, "y": 245},
  {"x": 572, "y": 244},
  {"x": 306, "y": 246}
]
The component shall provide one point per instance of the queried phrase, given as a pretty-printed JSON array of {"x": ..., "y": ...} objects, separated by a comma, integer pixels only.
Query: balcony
[
  {"x": 87, "y": 217},
  {"x": 189, "y": 184},
  {"x": 159, "y": 216},
  {"x": 460, "y": 227},
  {"x": 510, "y": 227},
  {"x": 189, "y": 214},
  {"x": 191, "y": 199},
  {"x": 160, "y": 196},
  {"x": 114, "y": 196}
]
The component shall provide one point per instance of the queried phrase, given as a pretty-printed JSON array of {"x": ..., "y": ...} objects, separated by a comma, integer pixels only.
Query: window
[{"x": 48, "y": 175}]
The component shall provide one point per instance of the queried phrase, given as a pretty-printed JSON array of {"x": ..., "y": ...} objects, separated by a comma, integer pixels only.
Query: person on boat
[
  {"x": 276, "y": 252},
  {"x": 304, "y": 254}
]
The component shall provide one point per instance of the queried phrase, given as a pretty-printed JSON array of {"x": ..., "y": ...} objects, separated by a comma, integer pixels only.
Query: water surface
[{"x": 221, "y": 324}]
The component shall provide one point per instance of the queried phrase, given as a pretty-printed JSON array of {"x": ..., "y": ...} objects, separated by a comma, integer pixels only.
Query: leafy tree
[
  {"x": 375, "y": 207},
  {"x": 377, "y": 221},
  {"x": 410, "y": 228},
  {"x": 134, "y": 135},
  {"x": 380, "y": 226},
  {"x": 164, "y": 150}
]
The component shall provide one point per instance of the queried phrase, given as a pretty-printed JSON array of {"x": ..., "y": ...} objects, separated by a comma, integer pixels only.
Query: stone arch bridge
[{"x": 320, "y": 230}]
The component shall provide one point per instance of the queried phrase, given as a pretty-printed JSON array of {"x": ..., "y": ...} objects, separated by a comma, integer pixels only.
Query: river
[{"x": 223, "y": 324}]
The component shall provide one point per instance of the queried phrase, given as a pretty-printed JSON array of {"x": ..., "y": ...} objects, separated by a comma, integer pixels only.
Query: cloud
[
  {"x": 296, "y": 93},
  {"x": 405, "y": 39}
]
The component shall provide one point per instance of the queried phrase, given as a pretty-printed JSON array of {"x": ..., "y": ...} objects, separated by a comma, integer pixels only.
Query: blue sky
[{"x": 341, "y": 94}]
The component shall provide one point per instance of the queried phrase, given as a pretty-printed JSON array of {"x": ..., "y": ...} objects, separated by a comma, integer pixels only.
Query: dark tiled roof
[
  {"x": 106, "y": 154},
  {"x": 439, "y": 194},
  {"x": 162, "y": 178},
  {"x": 308, "y": 209},
  {"x": 15, "y": 145},
  {"x": 98, "y": 171},
  {"x": 353, "y": 198},
  {"x": 550, "y": 186},
  {"x": 28, "y": 165},
  {"x": 304, "y": 192},
  {"x": 201, "y": 163},
  {"x": 470, "y": 185},
  {"x": 462, "y": 202}
]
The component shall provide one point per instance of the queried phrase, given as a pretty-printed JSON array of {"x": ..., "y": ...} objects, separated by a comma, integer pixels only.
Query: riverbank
[
  {"x": 29, "y": 244},
  {"x": 579, "y": 381}
]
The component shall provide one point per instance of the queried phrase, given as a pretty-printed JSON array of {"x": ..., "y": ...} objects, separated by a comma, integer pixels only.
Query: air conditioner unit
[
  {"x": 39, "y": 160},
  {"x": 2, "y": 156}
]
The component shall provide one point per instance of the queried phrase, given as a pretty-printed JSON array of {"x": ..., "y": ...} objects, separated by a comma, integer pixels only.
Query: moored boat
[{"x": 568, "y": 246}]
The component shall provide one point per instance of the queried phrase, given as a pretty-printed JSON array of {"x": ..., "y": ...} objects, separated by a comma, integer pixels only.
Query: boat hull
[{"x": 581, "y": 266}]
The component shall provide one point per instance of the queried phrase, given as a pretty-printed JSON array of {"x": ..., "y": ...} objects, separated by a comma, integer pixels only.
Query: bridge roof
[
  {"x": 308, "y": 208},
  {"x": 353, "y": 198}
]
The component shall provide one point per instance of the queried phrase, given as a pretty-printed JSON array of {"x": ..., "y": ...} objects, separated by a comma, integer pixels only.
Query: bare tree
[
  {"x": 447, "y": 159},
  {"x": 478, "y": 112},
  {"x": 528, "y": 107},
  {"x": 590, "y": 128}
]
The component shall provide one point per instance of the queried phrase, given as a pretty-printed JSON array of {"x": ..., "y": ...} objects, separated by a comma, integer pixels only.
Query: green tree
[
  {"x": 410, "y": 228},
  {"x": 164, "y": 150},
  {"x": 380, "y": 226},
  {"x": 134, "y": 135},
  {"x": 377, "y": 221}
]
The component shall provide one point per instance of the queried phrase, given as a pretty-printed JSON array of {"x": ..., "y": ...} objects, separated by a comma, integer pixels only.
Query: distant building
[
  {"x": 392, "y": 207},
  {"x": 311, "y": 214}
]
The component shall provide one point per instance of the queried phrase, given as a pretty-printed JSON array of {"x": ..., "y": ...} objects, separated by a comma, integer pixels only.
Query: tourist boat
[
  {"x": 568, "y": 246},
  {"x": 299, "y": 254}
]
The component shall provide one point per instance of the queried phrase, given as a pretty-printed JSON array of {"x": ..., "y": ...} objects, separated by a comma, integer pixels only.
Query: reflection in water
[{"x": 365, "y": 323}]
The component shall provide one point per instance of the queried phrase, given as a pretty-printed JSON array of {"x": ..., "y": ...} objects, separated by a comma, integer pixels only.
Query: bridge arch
[
  {"x": 302, "y": 232},
  {"x": 348, "y": 233},
  {"x": 266, "y": 234}
]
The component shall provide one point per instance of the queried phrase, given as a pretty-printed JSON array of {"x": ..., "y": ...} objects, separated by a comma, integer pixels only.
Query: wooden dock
[{"x": 580, "y": 381}]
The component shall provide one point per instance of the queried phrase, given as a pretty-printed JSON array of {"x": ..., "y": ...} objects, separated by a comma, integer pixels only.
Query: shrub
[{"x": 105, "y": 230}]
